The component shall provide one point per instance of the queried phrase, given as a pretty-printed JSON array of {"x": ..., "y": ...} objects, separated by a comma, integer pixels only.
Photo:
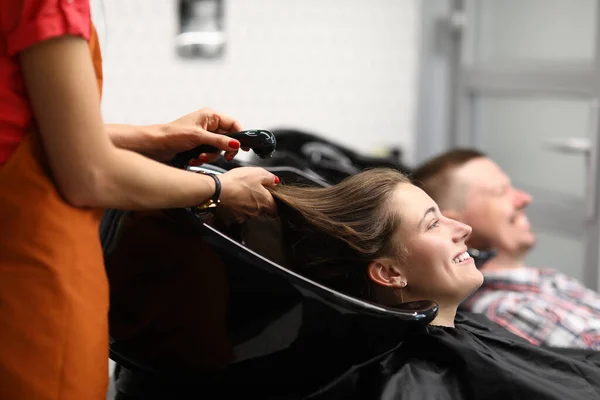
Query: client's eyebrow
[{"x": 428, "y": 211}]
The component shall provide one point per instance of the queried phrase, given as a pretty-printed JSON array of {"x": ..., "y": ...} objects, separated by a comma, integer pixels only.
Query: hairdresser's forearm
[
  {"x": 140, "y": 139},
  {"x": 131, "y": 181}
]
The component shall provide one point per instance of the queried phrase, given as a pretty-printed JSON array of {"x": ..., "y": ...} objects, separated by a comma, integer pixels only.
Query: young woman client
[{"x": 378, "y": 237}]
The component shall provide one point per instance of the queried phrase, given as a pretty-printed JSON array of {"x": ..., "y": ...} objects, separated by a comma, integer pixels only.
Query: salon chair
[{"x": 216, "y": 305}]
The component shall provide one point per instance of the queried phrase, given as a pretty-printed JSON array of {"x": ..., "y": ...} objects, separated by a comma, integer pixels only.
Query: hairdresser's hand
[
  {"x": 243, "y": 193},
  {"x": 204, "y": 126}
]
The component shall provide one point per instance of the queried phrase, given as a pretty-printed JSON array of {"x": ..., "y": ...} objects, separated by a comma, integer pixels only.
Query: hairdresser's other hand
[
  {"x": 243, "y": 193},
  {"x": 204, "y": 126}
]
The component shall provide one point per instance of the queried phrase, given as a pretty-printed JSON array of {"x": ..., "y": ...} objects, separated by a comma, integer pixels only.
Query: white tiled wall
[{"x": 345, "y": 69}]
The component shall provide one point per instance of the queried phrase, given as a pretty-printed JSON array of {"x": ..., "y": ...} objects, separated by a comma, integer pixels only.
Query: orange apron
[{"x": 53, "y": 286}]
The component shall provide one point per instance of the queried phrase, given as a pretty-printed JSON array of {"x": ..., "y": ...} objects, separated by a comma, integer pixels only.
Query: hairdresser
[{"x": 60, "y": 165}]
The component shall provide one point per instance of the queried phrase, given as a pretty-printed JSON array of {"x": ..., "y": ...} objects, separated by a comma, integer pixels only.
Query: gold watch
[{"x": 212, "y": 203}]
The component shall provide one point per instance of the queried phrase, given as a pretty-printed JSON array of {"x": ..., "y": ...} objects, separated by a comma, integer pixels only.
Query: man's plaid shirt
[{"x": 540, "y": 305}]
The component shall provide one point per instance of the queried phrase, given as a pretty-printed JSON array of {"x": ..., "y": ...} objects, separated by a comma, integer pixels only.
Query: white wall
[{"x": 343, "y": 69}]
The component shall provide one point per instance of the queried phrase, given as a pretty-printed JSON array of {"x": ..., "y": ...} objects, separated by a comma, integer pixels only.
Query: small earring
[{"x": 402, "y": 285}]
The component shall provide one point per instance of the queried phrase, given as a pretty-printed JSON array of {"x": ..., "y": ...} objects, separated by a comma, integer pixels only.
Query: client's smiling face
[{"x": 437, "y": 266}]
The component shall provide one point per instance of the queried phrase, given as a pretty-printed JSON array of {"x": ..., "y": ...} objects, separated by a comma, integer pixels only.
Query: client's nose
[
  {"x": 461, "y": 232},
  {"x": 521, "y": 199}
]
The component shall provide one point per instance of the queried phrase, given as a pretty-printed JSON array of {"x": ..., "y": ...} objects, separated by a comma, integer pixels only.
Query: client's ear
[{"x": 386, "y": 272}]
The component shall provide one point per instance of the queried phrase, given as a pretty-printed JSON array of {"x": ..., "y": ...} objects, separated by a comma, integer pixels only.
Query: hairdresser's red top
[{"x": 22, "y": 24}]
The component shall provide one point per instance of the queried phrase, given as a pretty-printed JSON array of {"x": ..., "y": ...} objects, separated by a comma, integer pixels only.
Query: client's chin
[
  {"x": 467, "y": 282},
  {"x": 527, "y": 242},
  {"x": 473, "y": 281}
]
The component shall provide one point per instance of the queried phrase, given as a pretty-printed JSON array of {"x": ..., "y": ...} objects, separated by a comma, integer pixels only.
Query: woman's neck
[{"x": 445, "y": 316}]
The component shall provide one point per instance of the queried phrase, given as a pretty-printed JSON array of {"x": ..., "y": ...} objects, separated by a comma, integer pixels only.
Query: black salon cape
[{"x": 475, "y": 360}]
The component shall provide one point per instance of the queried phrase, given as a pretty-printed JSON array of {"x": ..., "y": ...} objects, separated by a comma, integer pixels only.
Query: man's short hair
[{"x": 435, "y": 175}]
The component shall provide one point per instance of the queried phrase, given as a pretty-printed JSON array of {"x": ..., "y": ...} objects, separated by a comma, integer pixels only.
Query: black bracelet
[{"x": 215, "y": 197}]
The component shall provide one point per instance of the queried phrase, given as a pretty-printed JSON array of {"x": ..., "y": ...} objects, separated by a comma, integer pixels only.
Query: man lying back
[{"x": 541, "y": 305}]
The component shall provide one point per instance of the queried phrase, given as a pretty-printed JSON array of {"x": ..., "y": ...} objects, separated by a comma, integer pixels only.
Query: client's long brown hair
[{"x": 333, "y": 233}]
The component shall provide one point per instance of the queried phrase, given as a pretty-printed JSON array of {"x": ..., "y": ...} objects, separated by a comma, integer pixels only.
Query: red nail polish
[
  {"x": 203, "y": 158},
  {"x": 276, "y": 180},
  {"x": 234, "y": 144}
]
